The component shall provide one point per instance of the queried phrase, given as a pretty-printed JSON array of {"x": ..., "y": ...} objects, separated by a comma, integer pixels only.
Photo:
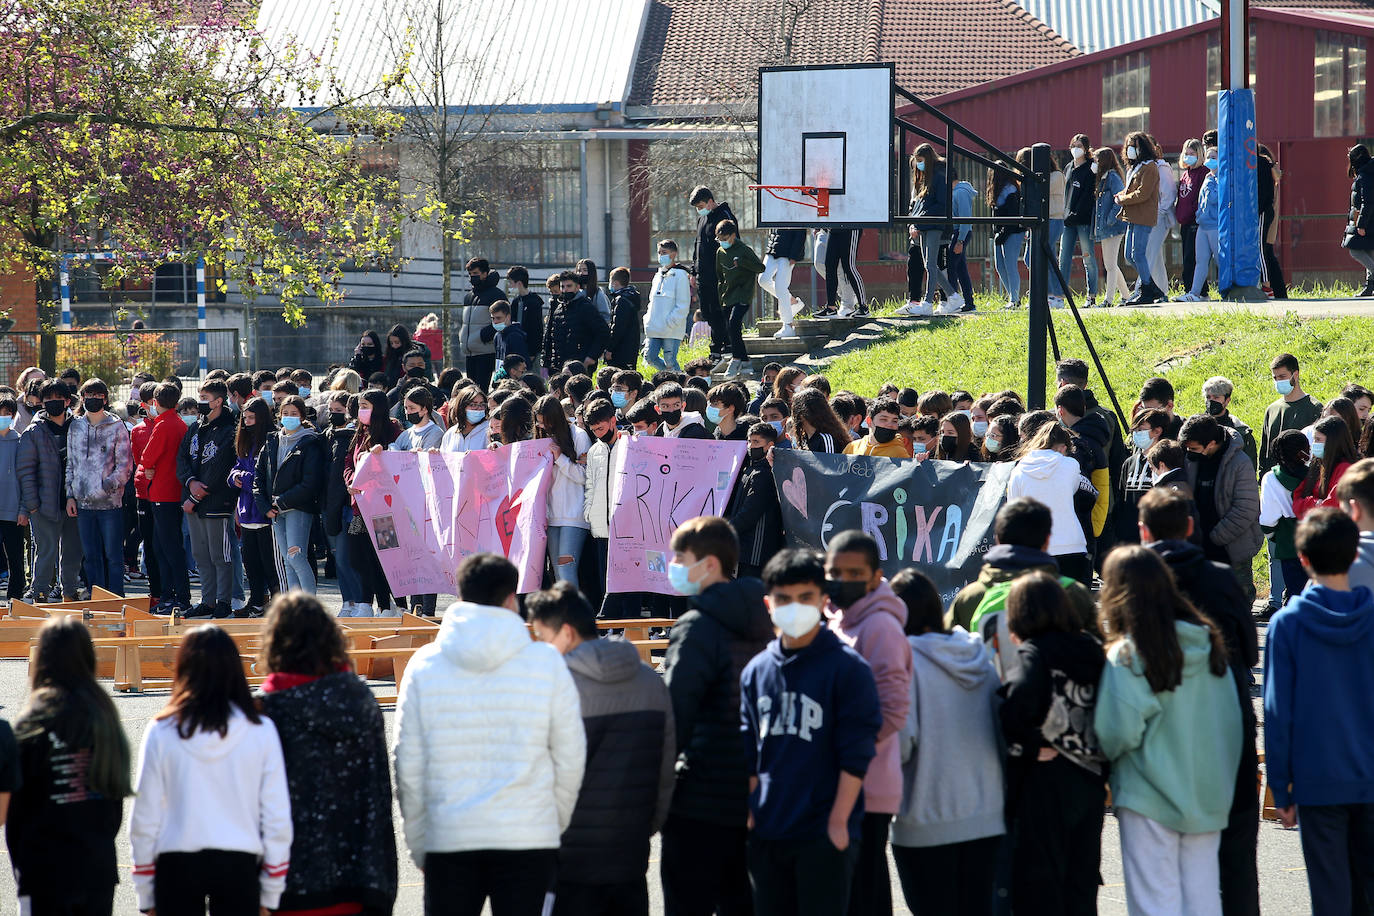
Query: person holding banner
[
  {"x": 882, "y": 440},
  {"x": 376, "y": 428},
  {"x": 567, "y": 503},
  {"x": 469, "y": 428},
  {"x": 1048, "y": 475}
]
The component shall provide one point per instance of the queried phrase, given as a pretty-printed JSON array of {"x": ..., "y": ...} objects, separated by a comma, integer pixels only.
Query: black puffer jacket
[
  {"x": 786, "y": 243},
  {"x": 708, "y": 649},
  {"x": 631, "y": 747},
  {"x": 299, "y": 482},
  {"x": 208, "y": 455},
  {"x": 577, "y": 331},
  {"x": 338, "y": 444},
  {"x": 344, "y": 846},
  {"x": 1361, "y": 210}
]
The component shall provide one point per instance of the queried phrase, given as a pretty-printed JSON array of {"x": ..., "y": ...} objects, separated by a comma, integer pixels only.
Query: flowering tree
[{"x": 166, "y": 130}]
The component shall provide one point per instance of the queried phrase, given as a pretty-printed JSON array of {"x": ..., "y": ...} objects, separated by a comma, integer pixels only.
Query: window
[
  {"x": 1125, "y": 97},
  {"x": 528, "y": 201},
  {"x": 675, "y": 167},
  {"x": 1338, "y": 87},
  {"x": 1214, "y": 72}
]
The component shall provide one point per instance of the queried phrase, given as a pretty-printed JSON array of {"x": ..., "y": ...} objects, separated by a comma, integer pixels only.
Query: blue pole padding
[
  {"x": 200, "y": 316},
  {"x": 1238, "y": 260}
]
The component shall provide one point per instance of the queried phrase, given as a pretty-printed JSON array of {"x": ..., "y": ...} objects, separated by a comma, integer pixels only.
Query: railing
[{"x": 115, "y": 354}]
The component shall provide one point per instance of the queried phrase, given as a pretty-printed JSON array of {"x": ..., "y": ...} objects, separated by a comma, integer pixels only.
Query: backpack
[{"x": 989, "y": 621}]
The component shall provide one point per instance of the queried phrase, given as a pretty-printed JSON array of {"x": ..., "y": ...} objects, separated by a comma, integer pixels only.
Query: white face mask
[
  {"x": 1094, "y": 168},
  {"x": 1132, "y": 153},
  {"x": 1078, "y": 152},
  {"x": 796, "y": 619}
]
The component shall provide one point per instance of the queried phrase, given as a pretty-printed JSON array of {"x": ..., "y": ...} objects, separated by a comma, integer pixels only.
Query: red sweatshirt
[{"x": 160, "y": 454}]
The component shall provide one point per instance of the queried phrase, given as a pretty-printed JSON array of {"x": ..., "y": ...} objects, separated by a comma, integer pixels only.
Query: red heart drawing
[
  {"x": 396, "y": 477},
  {"x": 794, "y": 490},
  {"x": 387, "y": 497},
  {"x": 507, "y": 512}
]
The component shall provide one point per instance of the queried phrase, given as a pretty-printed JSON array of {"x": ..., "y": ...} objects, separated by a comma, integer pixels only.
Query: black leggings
[
  {"x": 12, "y": 540},
  {"x": 363, "y": 555},
  {"x": 145, "y": 527},
  {"x": 260, "y": 564},
  {"x": 841, "y": 251},
  {"x": 185, "y": 879}
]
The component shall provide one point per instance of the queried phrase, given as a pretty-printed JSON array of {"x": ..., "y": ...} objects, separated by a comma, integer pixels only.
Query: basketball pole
[{"x": 1036, "y": 198}]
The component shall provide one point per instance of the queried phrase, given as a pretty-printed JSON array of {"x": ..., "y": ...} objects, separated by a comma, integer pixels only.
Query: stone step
[
  {"x": 792, "y": 346},
  {"x": 817, "y": 327}
]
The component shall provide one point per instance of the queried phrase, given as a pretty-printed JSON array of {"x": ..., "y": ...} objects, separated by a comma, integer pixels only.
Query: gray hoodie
[
  {"x": 951, "y": 744},
  {"x": 99, "y": 461},
  {"x": 1362, "y": 570}
]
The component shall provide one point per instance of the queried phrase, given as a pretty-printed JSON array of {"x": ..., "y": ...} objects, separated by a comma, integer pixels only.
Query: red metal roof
[{"x": 704, "y": 52}]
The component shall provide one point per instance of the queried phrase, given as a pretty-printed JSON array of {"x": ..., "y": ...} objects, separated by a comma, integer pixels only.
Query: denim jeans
[
  {"x": 102, "y": 545},
  {"x": 1055, "y": 233},
  {"x": 566, "y": 541},
  {"x": 291, "y": 530},
  {"x": 1206, "y": 245},
  {"x": 1006, "y": 261},
  {"x": 958, "y": 275},
  {"x": 1137, "y": 250},
  {"x": 930, "y": 254},
  {"x": 1073, "y": 236},
  {"x": 350, "y": 583},
  {"x": 1159, "y": 234},
  {"x": 669, "y": 347}
]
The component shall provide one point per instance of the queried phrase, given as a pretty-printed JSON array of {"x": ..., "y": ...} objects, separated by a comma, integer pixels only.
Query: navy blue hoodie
[
  {"x": 807, "y": 716},
  {"x": 1318, "y": 723}
]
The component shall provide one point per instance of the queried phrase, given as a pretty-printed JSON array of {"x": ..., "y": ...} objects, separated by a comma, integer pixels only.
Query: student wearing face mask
[
  {"x": 567, "y": 500},
  {"x": 99, "y": 463},
  {"x": 469, "y": 427},
  {"x": 670, "y": 302},
  {"x": 1048, "y": 475},
  {"x": 424, "y": 432},
  {"x": 1193, "y": 172},
  {"x": 576, "y": 330},
  {"x": 367, "y": 357},
  {"x": 1079, "y": 209},
  {"x": 754, "y": 511},
  {"x": 1140, "y": 210},
  {"x": 868, "y": 616},
  {"x": 207, "y": 456},
  {"x": 41, "y": 465},
  {"x": 775, "y": 413},
  {"x": 1216, "y": 400},
  {"x": 11, "y": 534},
  {"x": 287, "y": 485},
  {"x": 882, "y": 439},
  {"x": 810, "y": 705},
  {"x": 507, "y": 336},
  {"x": 677, "y": 422},
  {"x": 340, "y": 412},
  {"x": 999, "y": 444},
  {"x": 599, "y": 419},
  {"x": 1136, "y": 477},
  {"x": 259, "y": 556},
  {"x": 725, "y": 406},
  {"x": 710, "y": 215}
]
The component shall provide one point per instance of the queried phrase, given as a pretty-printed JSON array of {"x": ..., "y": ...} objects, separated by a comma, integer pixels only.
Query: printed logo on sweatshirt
[{"x": 797, "y": 714}]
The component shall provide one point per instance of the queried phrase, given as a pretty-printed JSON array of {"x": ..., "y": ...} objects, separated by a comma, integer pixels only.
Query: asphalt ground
[{"x": 1283, "y": 879}]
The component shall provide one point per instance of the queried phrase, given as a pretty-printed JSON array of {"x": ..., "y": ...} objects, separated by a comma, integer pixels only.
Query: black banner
[{"x": 935, "y": 515}]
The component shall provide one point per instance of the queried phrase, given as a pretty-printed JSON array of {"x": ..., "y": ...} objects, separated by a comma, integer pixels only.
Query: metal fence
[
  {"x": 331, "y": 332},
  {"x": 115, "y": 354}
]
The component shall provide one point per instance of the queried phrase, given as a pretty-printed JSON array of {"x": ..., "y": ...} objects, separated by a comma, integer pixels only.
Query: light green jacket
[{"x": 1174, "y": 755}]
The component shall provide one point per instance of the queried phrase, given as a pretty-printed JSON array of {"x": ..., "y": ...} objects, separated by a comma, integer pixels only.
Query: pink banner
[
  {"x": 422, "y": 530},
  {"x": 657, "y": 485}
]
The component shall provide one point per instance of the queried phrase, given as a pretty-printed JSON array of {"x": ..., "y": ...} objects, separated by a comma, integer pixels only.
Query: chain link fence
[{"x": 331, "y": 332}]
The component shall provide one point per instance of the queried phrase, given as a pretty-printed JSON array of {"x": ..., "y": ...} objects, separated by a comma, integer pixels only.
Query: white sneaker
[
  {"x": 722, "y": 365},
  {"x": 1188, "y": 297},
  {"x": 917, "y": 309},
  {"x": 1056, "y": 302},
  {"x": 951, "y": 306},
  {"x": 362, "y": 609},
  {"x": 846, "y": 311},
  {"x": 797, "y": 307},
  {"x": 785, "y": 332}
]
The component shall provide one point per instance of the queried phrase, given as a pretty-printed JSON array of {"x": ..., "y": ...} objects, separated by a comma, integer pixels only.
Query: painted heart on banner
[
  {"x": 794, "y": 490},
  {"x": 387, "y": 497},
  {"x": 507, "y": 513},
  {"x": 396, "y": 477}
]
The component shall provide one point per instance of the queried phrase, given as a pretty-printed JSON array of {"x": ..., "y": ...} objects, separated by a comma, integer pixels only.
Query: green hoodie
[
  {"x": 1174, "y": 755},
  {"x": 737, "y": 267}
]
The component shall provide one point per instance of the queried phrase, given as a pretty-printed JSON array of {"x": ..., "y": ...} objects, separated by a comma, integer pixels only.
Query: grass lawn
[{"x": 988, "y": 353}]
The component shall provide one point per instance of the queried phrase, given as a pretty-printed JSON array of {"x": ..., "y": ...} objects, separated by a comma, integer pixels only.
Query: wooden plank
[{"x": 23, "y": 609}]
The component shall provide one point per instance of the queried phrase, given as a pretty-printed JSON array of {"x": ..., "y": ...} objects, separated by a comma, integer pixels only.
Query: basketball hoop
[{"x": 820, "y": 197}]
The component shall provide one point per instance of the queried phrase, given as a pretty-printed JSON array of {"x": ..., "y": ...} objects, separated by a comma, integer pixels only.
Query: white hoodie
[
  {"x": 212, "y": 792},
  {"x": 670, "y": 299},
  {"x": 1051, "y": 478},
  {"x": 568, "y": 492},
  {"x": 489, "y": 740}
]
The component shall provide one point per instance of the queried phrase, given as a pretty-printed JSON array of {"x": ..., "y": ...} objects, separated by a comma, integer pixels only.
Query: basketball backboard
[{"x": 827, "y": 127}]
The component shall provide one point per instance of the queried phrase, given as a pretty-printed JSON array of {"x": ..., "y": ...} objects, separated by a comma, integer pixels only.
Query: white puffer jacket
[
  {"x": 489, "y": 740},
  {"x": 568, "y": 493},
  {"x": 670, "y": 300},
  {"x": 600, "y": 460}
]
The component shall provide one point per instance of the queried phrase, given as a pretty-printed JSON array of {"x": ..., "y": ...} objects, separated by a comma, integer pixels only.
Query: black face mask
[
  {"x": 883, "y": 435},
  {"x": 416, "y": 372},
  {"x": 367, "y": 348},
  {"x": 1195, "y": 456},
  {"x": 337, "y": 419},
  {"x": 413, "y": 418},
  {"x": 609, "y": 437},
  {"x": 1215, "y": 408},
  {"x": 845, "y": 594},
  {"x": 54, "y": 408},
  {"x": 133, "y": 408},
  {"x": 757, "y": 454},
  {"x": 203, "y": 408},
  {"x": 671, "y": 417},
  {"x": 948, "y": 444},
  {"x": 93, "y": 405}
]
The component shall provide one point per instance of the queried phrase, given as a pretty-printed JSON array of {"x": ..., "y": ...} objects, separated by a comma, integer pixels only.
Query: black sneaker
[
  {"x": 1263, "y": 614},
  {"x": 222, "y": 610},
  {"x": 827, "y": 312},
  {"x": 968, "y": 307},
  {"x": 860, "y": 311},
  {"x": 201, "y": 610}
]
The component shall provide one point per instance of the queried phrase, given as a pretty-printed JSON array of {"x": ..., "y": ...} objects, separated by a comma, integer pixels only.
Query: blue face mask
[
  {"x": 664, "y": 260},
  {"x": 1140, "y": 439},
  {"x": 980, "y": 427},
  {"x": 290, "y": 424},
  {"x": 1211, "y": 164},
  {"x": 620, "y": 398},
  {"x": 920, "y": 165},
  {"x": 1283, "y": 385},
  {"x": 777, "y": 425},
  {"x": 303, "y": 391},
  {"x": 713, "y": 413},
  {"x": 266, "y": 395},
  {"x": 498, "y": 326},
  {"x": 6, "y": 423},
  {"x": 190, "y": 419},
  {"x": 678, "y": 578},
  {"x": 992, "y": 445},
  {"x": 1190, "y": 160},
  {"x": 1318, "y": 450},
  {"x": 917, "y": 448},
  {"x": 726, "y": 245},
  {"x": 475, "y": 416}
]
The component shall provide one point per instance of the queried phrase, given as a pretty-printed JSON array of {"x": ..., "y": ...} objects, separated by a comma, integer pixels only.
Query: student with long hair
[
  {"x": 567, "y": 504},
  {"x": 1079, "y": 207},
  {"x": 211, "y": 815},
  {"x": 1108, "y": 227},
  {"x": 1002, "y": 439},
  {"x": 1168, "y": 719},
  {"x": 376, "y": 427},
  {"x": 259, "y": 558},
  {"x": 815, "y": 426},
  {"x": 287, "y": 481},
  {"x": 423, "y": 431},
  {"x": 956, "y": 438},
  {"x": 1046, "y": 473},
  {"x": 1358, "y": 238},
  {"x": 343, "y": 847},
  {"x": 468, "y": 426},
  {"x": 1344, "y": 408},
  {"x": 787, "y": 382},
  {"x": 1333, "y": 452},
  {"x": 930, "y": 197},
  {"x": 1004, "y": 199},
  {"x": 74, "y": 766},
  {"x": 1056, "y": 772},
  {"x": 1140, "y": 210},
  {"x": 514, "y": 422}
]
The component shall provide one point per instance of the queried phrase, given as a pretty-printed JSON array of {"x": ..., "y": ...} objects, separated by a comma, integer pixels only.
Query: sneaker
[
  {"x": 861, "y": 310},
  {"x": 723, "y": 365},
  {"x": 1091, "y": 303},
  {"x": 846, "y": 311},
  {"x": 201, "y": 610},
  {"x": 910, "y": 303},
  {"x": 951, "y": 306},
  {"x": 925, "y": 307},
  {"x": 798, "y": 307},
  {"x": 1188, "y": 297},
  {"x": 1015, "y": 304},
  {"x": 1056, "y": 302},
  {"x": 968, "y": 307},
  {"x": 222, "y": 610},
  {"x": 734, "y": 369},
  {"x": 785, "y": 332}
]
